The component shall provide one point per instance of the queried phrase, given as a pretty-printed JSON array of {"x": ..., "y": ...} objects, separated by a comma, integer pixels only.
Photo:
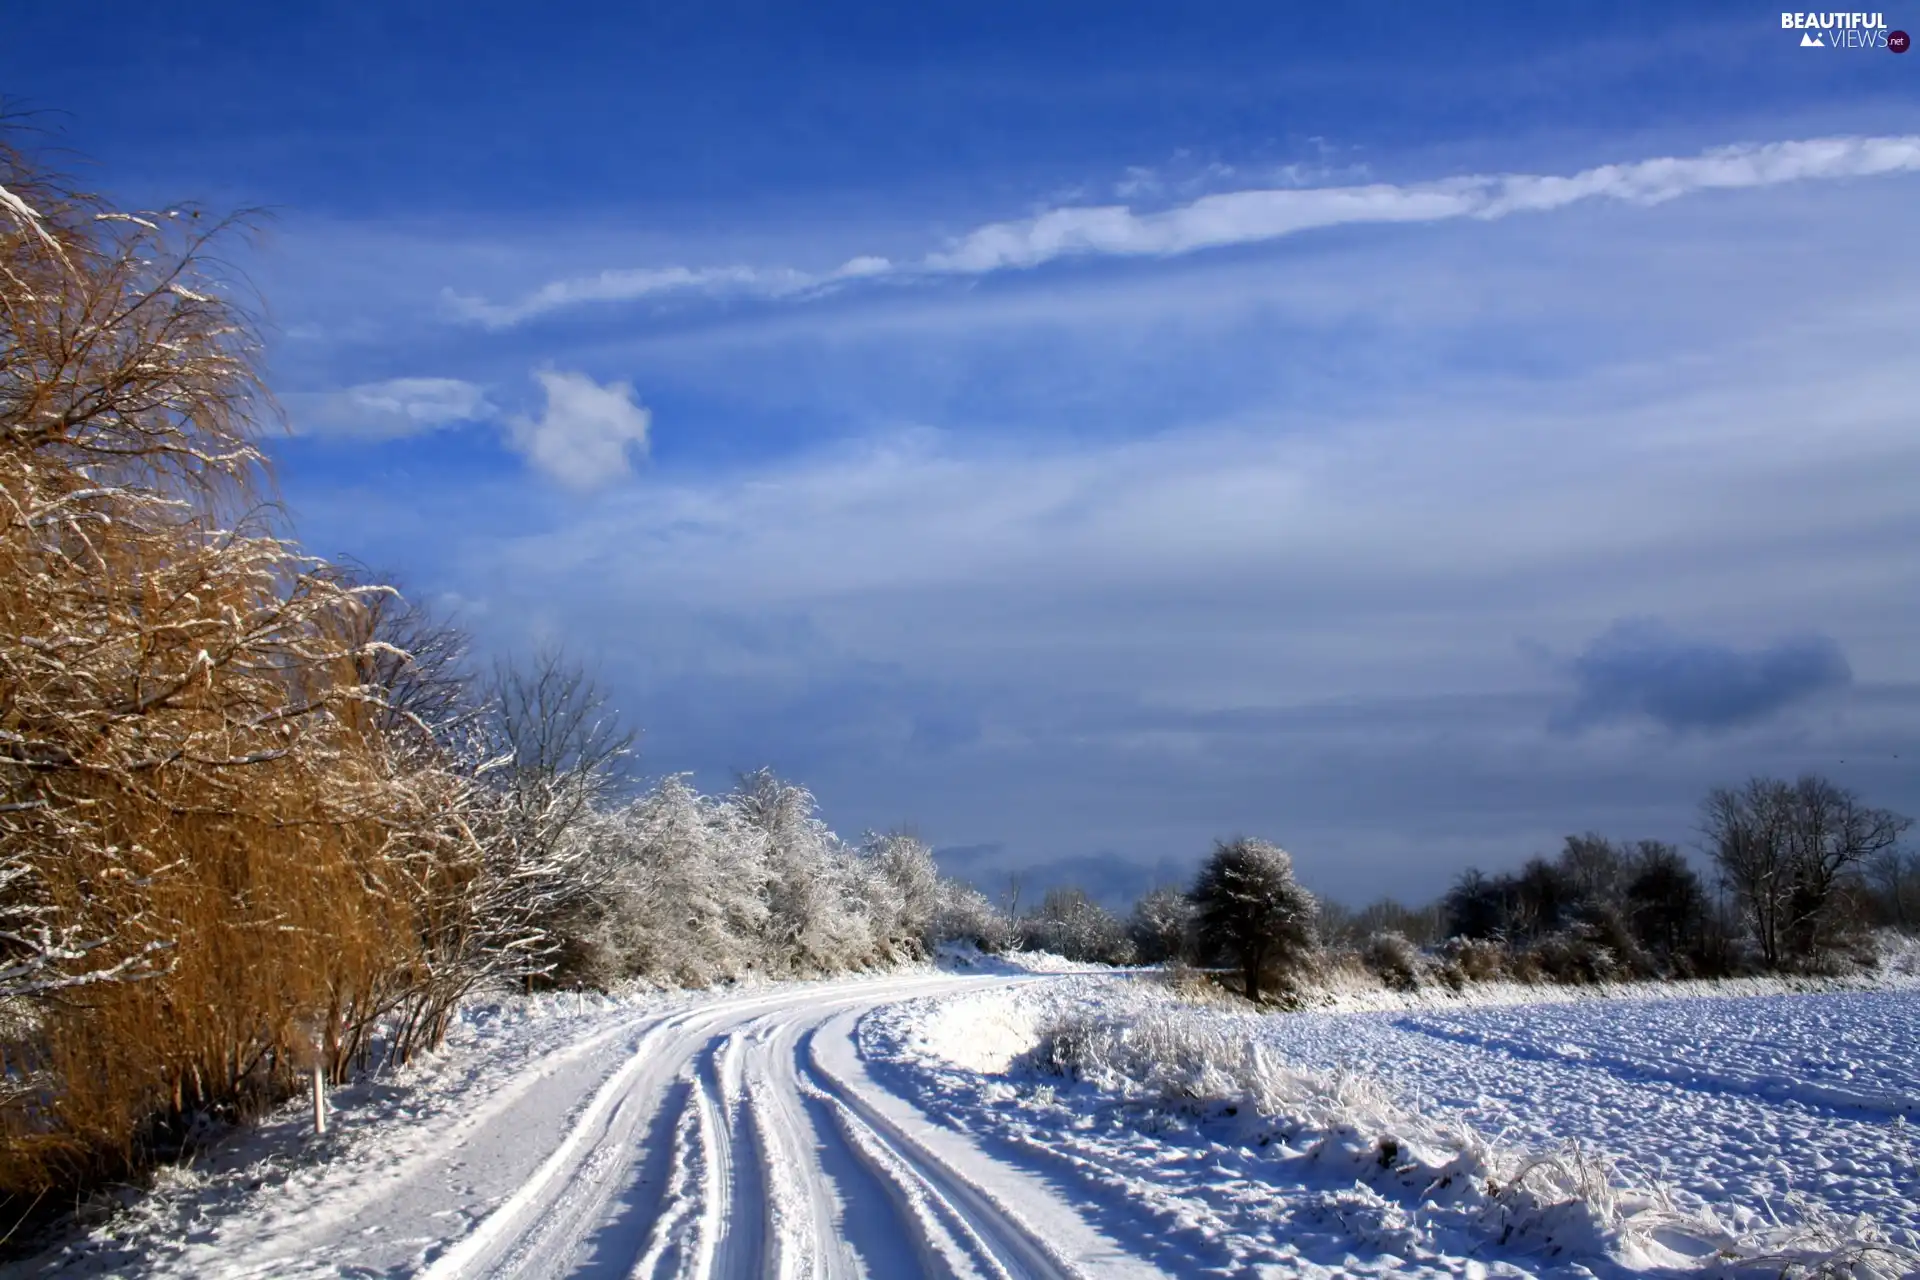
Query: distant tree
[
  {"x": 1666, "y": 903},
  {"x": 1784, "y": 849},
  {"x": 1071, "y": 924},
  {"x": 1894, "y": 877},
  {"x": 1476, "y": 905},
  {"x": 1593, "y": 869},
  {"x": 1544, "y": 899},
  {"x": 1251, "y": 911},
  {"x": 1162, "y": 926},
  {"x": 1423, "y": 926},
  {"x": 1747, "y": 831}
]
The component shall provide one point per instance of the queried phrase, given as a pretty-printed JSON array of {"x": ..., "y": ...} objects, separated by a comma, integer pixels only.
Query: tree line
[{"x": 1801, "y": 873}]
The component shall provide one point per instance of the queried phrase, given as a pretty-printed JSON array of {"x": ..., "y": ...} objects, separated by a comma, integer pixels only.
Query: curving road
[{"x": 740, "y": 1138}]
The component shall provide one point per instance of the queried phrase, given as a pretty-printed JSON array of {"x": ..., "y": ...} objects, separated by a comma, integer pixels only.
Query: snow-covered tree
[
  {"x": 1071, "y": 924},
  {"x": 903, "y": 893},
  {"x": 815, "y": 919},
  {"x": 1162, "y": 926},
  {"x": 1251, "y": 911},
  {"x": 686, "y": 890}
]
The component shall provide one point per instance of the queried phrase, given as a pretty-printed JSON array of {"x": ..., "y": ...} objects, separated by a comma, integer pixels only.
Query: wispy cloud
[
  {"x": 1239, "y": 218},
  {"x": 588, "y": 433},
  {"x": 389, "y": 410},
  {"x": 639, "y": 283}
]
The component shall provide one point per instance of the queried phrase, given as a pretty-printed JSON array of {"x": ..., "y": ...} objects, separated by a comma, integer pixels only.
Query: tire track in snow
[
  {"x": 783, "y": 1163},
  {"x": 805, "y": 1226},
  {"x": 685, "y": 1236},
  {"x": 962, "y": 1231}
]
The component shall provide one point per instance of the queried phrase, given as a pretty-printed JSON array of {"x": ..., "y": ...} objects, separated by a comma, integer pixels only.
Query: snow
[
  {"x": 1733, "y": 1102},
  {"x": 1667, "y": 1133},
  {"x": 1020, "y": 1116}
]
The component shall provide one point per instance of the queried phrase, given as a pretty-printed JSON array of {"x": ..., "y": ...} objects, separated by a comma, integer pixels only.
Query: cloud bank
[
  {"x": 1239, "y": 218},
  {"x": 1641, "y": 668}
]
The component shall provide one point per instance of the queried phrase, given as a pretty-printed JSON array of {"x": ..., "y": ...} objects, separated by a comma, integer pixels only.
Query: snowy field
[
  {"x": 1736, "y": 1102},
  {"x": 1689, "y": 1134},
  {"x": 1043, "y": 1122}
]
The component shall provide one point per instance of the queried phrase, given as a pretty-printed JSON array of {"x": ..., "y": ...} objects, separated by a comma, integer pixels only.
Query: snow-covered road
[{"x": 739, "y": 1137}]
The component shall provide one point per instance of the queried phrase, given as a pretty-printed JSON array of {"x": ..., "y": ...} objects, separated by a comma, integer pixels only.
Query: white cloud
[
  {"x": 389, "y": 410},
  {"x": 647, "y": 282},
  {"x": 628, "y": 286},
  {"x": 1243, "y": 217},
  {"x": 588, "y": 432}
]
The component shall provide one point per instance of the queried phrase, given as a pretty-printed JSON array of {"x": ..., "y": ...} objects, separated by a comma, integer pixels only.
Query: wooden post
[{"x": 319, "y": 1098}]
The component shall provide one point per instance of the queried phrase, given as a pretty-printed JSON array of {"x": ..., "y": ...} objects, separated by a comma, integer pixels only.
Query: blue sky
[{"x": 1410, "y": 433}]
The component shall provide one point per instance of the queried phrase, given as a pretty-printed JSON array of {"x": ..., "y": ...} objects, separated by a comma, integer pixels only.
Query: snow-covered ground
[
  {"x": 1710, "y": 1132},
  {"x": 1736, "y": 1102},
  {"x": 1041, "y": 1122}
]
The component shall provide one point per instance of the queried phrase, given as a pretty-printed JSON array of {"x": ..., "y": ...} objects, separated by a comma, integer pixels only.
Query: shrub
[
  {"x": 1394, "y": 960},
  {"x": 966, "y": 915},
  {"x": 1476, "y": 959},
  {"x": 1070, "y": 924},
  {"x": 1572, "y": 958},
  {"x": 1162, "y": 926}
]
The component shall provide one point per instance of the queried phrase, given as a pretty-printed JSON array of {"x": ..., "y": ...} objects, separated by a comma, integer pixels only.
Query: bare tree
[
  {"x": 1783, "y": 850},
  {"x": 546, "y": 749},
  {"x": 1895, "y": 876},
  {"x": 1594, "y": 869},
  {"x": 1746, "y": 830}
]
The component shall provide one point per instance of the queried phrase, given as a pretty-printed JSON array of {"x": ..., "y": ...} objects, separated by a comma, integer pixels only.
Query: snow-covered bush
[
  {"x": 904, "y": 894},
  {"x": 1070, "y": 924},
  {"x": 685, "y": 896},
  {"x": 816, "y": 921},
  {"x": 692, "y": 889},
  {"x": 1162, "y": 926},
  {"x": 967, "y": 915},
  {"x": 1473, "y": 960},
  {"x": 1394, "y": 960},
  {"x": 1570, "y": 956}
]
